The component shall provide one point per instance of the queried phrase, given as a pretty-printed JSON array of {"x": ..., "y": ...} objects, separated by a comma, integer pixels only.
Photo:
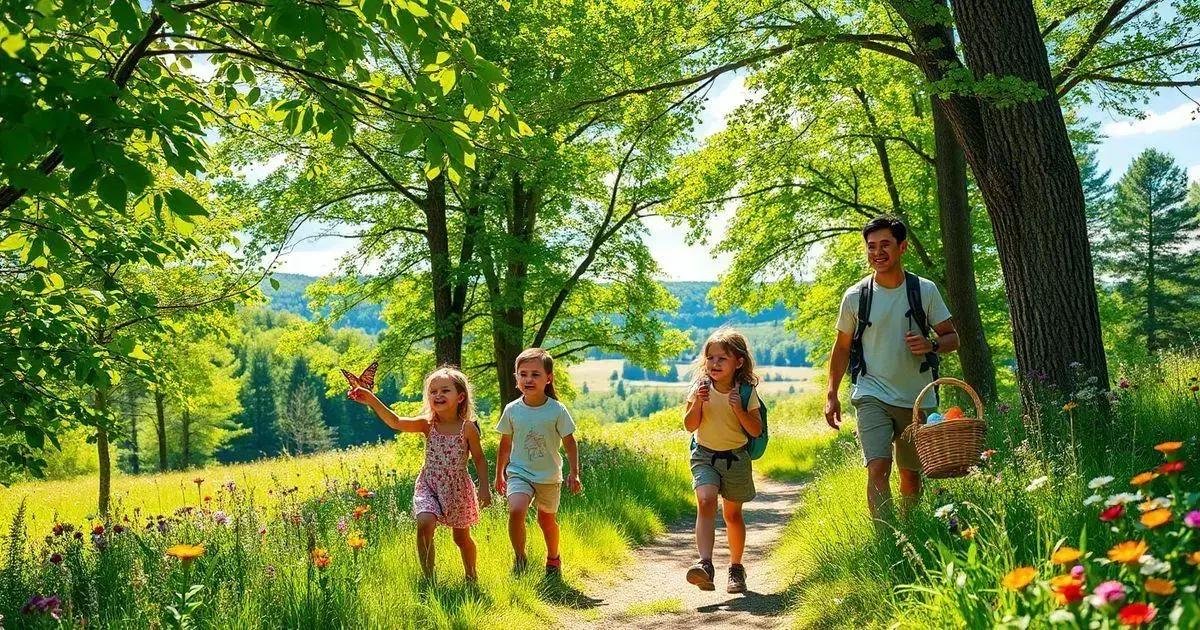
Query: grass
[
  {"x": 657, "y": 607},
  {"x": 596, "y": 374}
]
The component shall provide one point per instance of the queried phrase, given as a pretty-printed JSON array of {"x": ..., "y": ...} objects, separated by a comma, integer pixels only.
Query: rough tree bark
[{"x": 103, "y": 455}]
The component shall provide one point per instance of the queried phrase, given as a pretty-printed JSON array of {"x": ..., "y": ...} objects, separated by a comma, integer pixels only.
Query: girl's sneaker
[
  {"x": 701, "y": 574},
  {"x": 554, "y": 566},
  {"x": 737, "y": 579}
]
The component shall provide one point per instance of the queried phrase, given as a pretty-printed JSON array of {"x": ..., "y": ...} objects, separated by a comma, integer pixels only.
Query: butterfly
[{"x": 366, "y": 380}]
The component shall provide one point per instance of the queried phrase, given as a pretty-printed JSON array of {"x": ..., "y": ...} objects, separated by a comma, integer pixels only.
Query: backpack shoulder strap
[
  {"x": 912, "y": 287},
  {"x": 866, "y": 291},
  {"x": 744, "y": 391}
]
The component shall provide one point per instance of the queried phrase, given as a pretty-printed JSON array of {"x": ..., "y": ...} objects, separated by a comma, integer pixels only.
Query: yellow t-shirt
[{"x": 719, "y": 427}]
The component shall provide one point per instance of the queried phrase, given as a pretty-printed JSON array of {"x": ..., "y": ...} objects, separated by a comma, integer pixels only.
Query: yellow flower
[
  {"x": 356, "y": 541},
  {"x": 1142, "y": 479},
  {"x": 969, "y": 533},
  {"x": 1194, "y": 558},
  {"x": 1167, "y": 448},
  {"x": 1128, "y": 552},
  {"x": 1065, "y": 555},
  {"x": 186, "y": 553},
  {"x": 1156, "y": 518},
  {"x": 1070, "y": 406},
  {"x": 321, "y": 558},
  {"x": 1019, "y": 578},
  {"x": 1158, "y": 586}
]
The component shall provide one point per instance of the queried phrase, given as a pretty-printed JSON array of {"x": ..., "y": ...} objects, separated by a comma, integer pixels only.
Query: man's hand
[
  {"x": 833, "y": 411},
  {"x": 573, "y": 483},
  {"x": 918, "y": 345},
  {"x": 501, "y": 484}
]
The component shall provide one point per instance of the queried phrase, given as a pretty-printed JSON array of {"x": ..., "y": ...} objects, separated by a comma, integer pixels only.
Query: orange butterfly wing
[
  {"x": 352, "y": 379},
  {"x": 368, "y": 376}
]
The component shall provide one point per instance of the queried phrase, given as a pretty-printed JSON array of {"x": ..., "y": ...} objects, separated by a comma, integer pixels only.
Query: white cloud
[
  {"x": 718, "y": 107},
  {"x": 681, "y": 261},
  {"x": 314, "y": 262},
  {"x": 1194, "y": 173},
  {"x": 1152, "y": 122}
]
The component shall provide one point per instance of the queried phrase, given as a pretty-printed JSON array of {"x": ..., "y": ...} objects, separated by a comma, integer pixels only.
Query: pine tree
[
  {"x": 259, "y": 414},
  {"x": 1149, "y": 250},
  {"x": 300, "y": 423},
  {"x": 621, "y": 390}
]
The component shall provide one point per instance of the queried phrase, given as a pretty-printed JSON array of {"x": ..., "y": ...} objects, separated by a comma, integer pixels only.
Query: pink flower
[
  {"x": 1108, "y": 593},
  {"x": 1077, "y": 571},
  {"x": 1192, "y": 519}
]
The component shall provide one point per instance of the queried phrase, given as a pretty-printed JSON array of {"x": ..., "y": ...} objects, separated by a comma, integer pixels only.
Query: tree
[
  {"x": 300, "y": 423},
  {"x": 621, "y": 390},
  {"x": 1149, "y": 249},
  {"x": 259, "y": 415}
]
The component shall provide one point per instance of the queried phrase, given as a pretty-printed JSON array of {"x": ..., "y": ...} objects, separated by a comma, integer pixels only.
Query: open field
[{"x": 597, "y": 375}]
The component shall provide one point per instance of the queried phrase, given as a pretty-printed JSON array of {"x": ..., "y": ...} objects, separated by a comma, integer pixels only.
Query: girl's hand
[
  {"x": 485, "y": 495},
  {"x": 362, "y": 396},
  {"x": 703, "y": 391},
  {"x": 573, "y": 483},
  {"x": 501, "y": 484},
  {"x": 735, "y": 397}
]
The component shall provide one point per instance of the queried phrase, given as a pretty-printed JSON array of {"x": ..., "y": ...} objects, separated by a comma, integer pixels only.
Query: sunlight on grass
[{"x": 657, "y": 607}]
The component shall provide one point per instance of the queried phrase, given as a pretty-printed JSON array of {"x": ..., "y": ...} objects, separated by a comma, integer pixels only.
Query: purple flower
[
  {"x": 1108, "y": 592},
  {"x": 220, "y": 518},
  {"x": 342, "y": 526},
  {"x": 1192, "y": 519},
  {"x": 43, "y": 604}
]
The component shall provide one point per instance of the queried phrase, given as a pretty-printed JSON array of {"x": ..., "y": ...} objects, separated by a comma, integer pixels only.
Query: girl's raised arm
[{"x": 389, "y": 417}]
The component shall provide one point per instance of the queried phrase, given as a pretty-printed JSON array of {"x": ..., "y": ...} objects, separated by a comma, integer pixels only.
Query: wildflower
[
  {"x": 1123, "y": 498},
  {"x": 1158, "y": 586},
  {"x": 207, "y": 498},
  {"x": 356, "y": 541},
  {"x": 1074, "y": 365},
  {"x": 58, "y": 529},
  {"x": 118, "y": 528},
  {"x": 50, "y": 605},
  {"x": 270, "y": 571},
  {"x": 1192, "y": 519},
  {"x": 77, "y": 535},
  {"x": 1037, "y": 483},
  {"x": 1019, "y": 578},
  {"x": 1128, "y": 552},
  {"x": 198, "y": 481},
  {"x": 1170, "y": 468},
  {"x": 1153, "y": 566},
  {"x": 1099, "y": 482},
  {"x": 1166, "y": 448},
  {"x": 361, "y": 511},
  {"x": 1156, "y": 518},
  {"x": 1123, "y": 383},
  {"x": 1077, "y": 571},
  {"x": 1136, "y": 614},
  {"x": 1004, "y": 408},
  {"x": 98, "y": 530},
  {"x": 1154, "y": 504},
  {"x": 1092, "y": 500},
  {"x": 1109, "y": 592},
  {"x": 969, "y": 533},
  {"x": 1069, "y": 407},
  {"x": 321, "y": 558},
  {"x": 1194, "y": 388},
  {"x": 1065, "y": 555},
  {"x": 1067, "y": 589},
  {"x": 363, "y": 493},
  {"x": 1194, "y": 558},
  {"x": 262, "y": 531},
  {"x": 988, "y": 454},
  {"x": 1142, "y": 479},
  {"x": 342, "y": 526},
  {"x": 1061, "y": 616},
  {"x": 186, "y": 553},
  {"x": 56, "y": 558},
  {"x": 220, "y": 517}
]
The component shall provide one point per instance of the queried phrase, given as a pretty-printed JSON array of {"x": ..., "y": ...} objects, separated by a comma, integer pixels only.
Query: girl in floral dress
[{"x": 444, "y": 492}]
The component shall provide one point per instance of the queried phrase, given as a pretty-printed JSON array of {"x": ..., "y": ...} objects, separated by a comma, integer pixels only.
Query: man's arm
[
  {"x": 947, "y": 336},
  {"x": 839, "y": 360}
]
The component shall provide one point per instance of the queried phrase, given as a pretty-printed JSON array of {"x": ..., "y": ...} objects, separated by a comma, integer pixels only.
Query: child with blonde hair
[
  {"x": 723, "y": 414},
  {"x": 528, "y": 465},
  {"x": 444, "y": 492}
]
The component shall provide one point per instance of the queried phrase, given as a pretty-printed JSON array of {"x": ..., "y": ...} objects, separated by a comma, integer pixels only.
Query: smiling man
[{"x": 883, "y": 340}]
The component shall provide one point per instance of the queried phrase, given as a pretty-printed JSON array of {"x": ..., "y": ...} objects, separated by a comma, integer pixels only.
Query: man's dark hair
[{"x": 886, "y": 223}]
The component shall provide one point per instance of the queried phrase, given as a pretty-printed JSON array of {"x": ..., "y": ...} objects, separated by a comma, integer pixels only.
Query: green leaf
[
  {"x": 13, "y": 242},
  {"x": 125, "y": 13},
  {"x": 274, "y": 283},
  {"x": 17, "y": 146},
  {"x": 447, "y": 79},
  {"x": 12, "y": 44},
  {"x": 370, "y": 8},
  {"x": 112, "y": 192},
  {"x": 138, "y": 353},
  {"x": 523, "y": 128},
  {"x": 55, "y": 281},
  {"x": 458, "y": 19},
  {"x": 232, "y": 73},
  {"x": 35, "y": 437},
  {"x": 183, "y": 205},
  {"x": 412, "y": 138},
  {"x": 416, "y": 9},
  {"x": 82, "y": 177},
  {"x": 253, "y": 95},
  {"x": 432, "y": 172}
]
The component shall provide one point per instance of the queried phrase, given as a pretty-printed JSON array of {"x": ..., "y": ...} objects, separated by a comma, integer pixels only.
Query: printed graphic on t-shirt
[{"x": 535, "y": 445}]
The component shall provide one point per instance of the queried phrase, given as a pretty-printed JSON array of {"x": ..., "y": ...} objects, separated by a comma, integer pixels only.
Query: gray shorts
[
  {"x": 544, "y": 495},
  {"x": 880, "y": 430},
  {"x": 729, "y": 471}
]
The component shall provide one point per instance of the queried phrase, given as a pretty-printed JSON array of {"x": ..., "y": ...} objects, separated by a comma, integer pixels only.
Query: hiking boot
[
  {"x": 701, "y": 574},
  {"x": 554, "y": 566},
  {"x": 737, "y": 579}
]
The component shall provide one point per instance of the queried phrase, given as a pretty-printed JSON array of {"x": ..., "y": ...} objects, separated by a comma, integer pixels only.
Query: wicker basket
[{"x": 952, "y": 447}]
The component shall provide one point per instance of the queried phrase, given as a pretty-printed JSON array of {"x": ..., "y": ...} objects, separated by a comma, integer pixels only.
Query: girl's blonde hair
[
  {"x": 734, "y": 343},
  {"x": 537, "y": 354},
  {"x": 466, "y": 408}
]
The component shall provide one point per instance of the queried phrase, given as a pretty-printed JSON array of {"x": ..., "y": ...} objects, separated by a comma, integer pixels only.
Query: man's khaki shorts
[
  {"x": 545, "y": 495},
  {"x": 880, "y": 427}
]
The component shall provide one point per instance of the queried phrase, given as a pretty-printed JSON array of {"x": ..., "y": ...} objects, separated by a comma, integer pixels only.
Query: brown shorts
[{"x": 880, "y": 427}]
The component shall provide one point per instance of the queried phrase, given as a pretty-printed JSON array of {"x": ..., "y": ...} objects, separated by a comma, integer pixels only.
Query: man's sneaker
[
  {"x": 737, "y": 579},
  {"x": 701, "y": 574},
  {"x": 554, "y": 566}
]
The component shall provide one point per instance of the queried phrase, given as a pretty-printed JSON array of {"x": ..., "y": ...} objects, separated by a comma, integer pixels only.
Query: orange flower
[
  {"x": 1142, "y": 479},
  {"x": 1167, "y": 448},
  {"x": 1128, "y": 552},
  {"x": 969, "y": 533},
  {"x": 1158, "y": 586},
  {"x": 1070, "y": 406},
  {"x": 1194, "y": 558},
  {"x": 1065, "y": 555},
  {"x": 1156, "y": 518},
  {"x": 356, "y": 541},
  {"x": 361, "y": 511},
  {"x": 186, "y": 553},
  {"x": 362, "y": 493},
  {"x": 1067, "y": 589},
  {"x": 321, "y": 558},
  {"x": 1019, "y": 578}
]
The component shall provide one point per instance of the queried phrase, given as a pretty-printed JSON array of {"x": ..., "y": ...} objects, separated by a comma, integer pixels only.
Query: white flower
[
  {"x": 1037, "y": 483},
  {"x": 1122, "y": 498},
  {"x": 1154, "y": 504},
  {"x": 1153, "y": 566},
  {"x": 1092, "y": 500},
  {"x": 1061, "y": 616},
  {"x": 1099, "y": 482},
  {"x": 961, "y": 580},
  {"x": 944, "y": 511}
]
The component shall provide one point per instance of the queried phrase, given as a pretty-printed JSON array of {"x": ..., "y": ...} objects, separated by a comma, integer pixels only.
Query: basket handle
[{"x": 945, "y": 380}]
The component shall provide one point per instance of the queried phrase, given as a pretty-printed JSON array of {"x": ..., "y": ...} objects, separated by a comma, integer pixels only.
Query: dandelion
[
  {"x": 1156, "y": 518},
  {"x": 1166, "y": 448},
  {"x": 1065, "y": 555},
  {"x": 1158, "y": 586},
  {"x": 1092, "y": 500},
  {"x": 1019, "y": 578},
  {"x": 1170, "y": 468},
  {"x": 1099, "y": 482},
  {"x": 1128, "y": 552},
  {"x": 1192, "y": 519},
  {"x": 1067, "y": 589},
  {"x": 969, "y": 533},
  {"x": 186, "y": 553},
  {"x": 1037, "y": 483},
  {"x": 321, "y": 558},
  {"x": 1136, "y": 614},
  {"x": 1106, "y": 593},
  {"x": 1142, "y": 479}
]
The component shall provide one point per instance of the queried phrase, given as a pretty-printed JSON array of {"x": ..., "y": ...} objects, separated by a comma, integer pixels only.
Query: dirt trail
[{"x": 650, "y": 592}]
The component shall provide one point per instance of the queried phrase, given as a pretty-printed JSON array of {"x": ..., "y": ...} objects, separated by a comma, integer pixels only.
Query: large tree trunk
[
  {"x": 1026, "y": 170},
  {"x": 160, "y": 428},
  {"x": 132, "y": 401},
  {"x": 447, "y": 321},
  {"x": 103, "y": 455},
  {"x": 186, "y": 440},
  {"x": 954, "y": 217},
  {"x": 507, "y": 292}
]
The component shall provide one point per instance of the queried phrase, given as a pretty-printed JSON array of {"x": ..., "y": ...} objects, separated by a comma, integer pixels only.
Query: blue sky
[{"x": 1170, "y": 125}]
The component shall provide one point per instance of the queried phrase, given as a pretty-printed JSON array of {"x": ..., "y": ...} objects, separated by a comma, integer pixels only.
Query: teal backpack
[{"x": 756, "y": 446}]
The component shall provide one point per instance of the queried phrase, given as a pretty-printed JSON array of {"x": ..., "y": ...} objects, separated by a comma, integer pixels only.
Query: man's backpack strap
[
  {"x": 912, "y": 287},
  {"x": 858, "y": 363}
]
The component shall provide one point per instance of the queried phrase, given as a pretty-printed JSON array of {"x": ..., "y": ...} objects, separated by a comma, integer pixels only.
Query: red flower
[
  {"x": 1112, "y": 513},
  {"x": 98, "y": 530},
  {"x": 1170, "y": 468},
  {"x": 1136, "y": 614}
]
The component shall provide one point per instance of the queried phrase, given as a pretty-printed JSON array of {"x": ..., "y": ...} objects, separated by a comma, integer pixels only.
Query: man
[{"x": 883, "y": 338}]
